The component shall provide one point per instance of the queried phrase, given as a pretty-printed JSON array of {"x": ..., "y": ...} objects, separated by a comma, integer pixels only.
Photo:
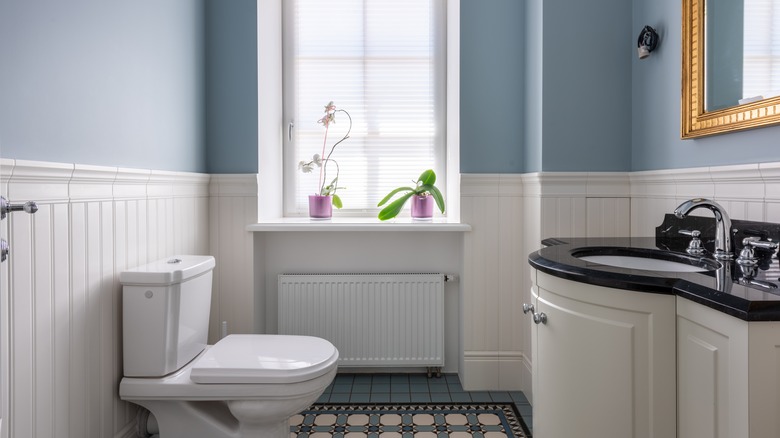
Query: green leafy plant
[{"x": 424, "y": 187}]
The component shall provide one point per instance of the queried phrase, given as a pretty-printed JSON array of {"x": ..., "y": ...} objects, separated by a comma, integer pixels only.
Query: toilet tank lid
[{"x": 167, "y": 271}]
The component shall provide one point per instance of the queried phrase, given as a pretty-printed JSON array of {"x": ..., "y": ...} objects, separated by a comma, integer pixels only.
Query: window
[
  {"x": 384, "y": 63},
  {"x": 762, "y": 49}
]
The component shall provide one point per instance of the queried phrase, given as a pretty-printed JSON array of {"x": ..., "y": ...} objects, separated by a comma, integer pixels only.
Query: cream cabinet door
[
  {"x": 712, "y": 373},
  {"x": 764, "y": 375},
  {"x": 4, "y": 329},
  {"x": 604, "y": 362}
]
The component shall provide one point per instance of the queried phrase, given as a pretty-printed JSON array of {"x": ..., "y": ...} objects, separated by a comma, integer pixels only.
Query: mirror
[{"x": 731, "y": 65}]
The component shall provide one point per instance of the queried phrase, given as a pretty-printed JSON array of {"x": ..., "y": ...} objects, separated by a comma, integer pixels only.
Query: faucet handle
[
  {"x": 747, "y": 257},
  {"x": 755, "y": 242},
  {"x": 692, "y": 233},
  {"x": 694, "y": 246}
]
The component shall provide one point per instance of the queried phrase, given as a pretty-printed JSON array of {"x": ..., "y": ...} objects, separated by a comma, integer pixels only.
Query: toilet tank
[{"x": 165, "y": 314}]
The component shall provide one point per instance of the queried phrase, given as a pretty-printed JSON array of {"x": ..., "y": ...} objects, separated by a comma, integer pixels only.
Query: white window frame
[{"x": 271, "y": 126}]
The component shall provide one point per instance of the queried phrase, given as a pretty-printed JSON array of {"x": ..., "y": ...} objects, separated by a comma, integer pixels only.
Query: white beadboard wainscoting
[
  {"x": 493, "y": 274},
  {"x": 748, "y": 192},
  {"x": 59, "y": 294},
  {"x": 61, "y": 299},
  {"x": 233, "y": 205},
  {"x": 509, "y": 216}
]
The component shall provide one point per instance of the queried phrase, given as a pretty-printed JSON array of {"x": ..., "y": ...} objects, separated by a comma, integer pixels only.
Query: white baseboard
[{"x": 492, "y": 370}]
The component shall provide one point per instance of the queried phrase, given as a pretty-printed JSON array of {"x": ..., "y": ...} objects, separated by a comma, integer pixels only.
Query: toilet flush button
[
  {"x": 149, "y": 294},
  {"x": 174, "y": 261}
]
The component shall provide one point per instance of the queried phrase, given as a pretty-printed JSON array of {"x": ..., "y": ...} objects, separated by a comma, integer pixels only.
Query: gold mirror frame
[{"x": 696, "y": 122}]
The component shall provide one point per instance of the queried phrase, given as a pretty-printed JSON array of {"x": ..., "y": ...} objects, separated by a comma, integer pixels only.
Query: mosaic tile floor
[
  {"x": 363, "y": 389},
  {"x": 408, "y": 421}
]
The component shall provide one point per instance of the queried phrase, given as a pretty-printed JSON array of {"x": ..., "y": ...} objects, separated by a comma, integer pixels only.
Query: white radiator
[{"x": 373, "y": 319}]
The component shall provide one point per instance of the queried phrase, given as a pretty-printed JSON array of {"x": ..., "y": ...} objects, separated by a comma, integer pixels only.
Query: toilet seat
[
  {"x": 254, "y": 359},
  {"x": 181, "y": 386}
]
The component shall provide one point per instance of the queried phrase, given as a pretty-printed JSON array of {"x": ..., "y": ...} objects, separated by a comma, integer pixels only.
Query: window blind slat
[{"x": 761, "y": 56}]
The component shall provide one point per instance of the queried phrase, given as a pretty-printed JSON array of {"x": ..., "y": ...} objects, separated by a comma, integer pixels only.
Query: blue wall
[
  {"x": 581, "y": 71},
  {"x": 492, "y": 74},
  {"x": 492, "y": 66},
  {"x": 546, "y": 85},
  {"x": 492, "y": 79},
  {"x": 231, "y": 86},
  {"x": 655, "y": 111},
  {"x": 586, "y": 103},
  {"x": 116, "y": 83},
  {"x": 534, "y": 74}
]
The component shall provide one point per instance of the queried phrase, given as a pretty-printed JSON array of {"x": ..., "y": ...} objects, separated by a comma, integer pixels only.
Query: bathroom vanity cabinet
[
  {"x": 616, "y": 363},
  {"x": 631, "y": 351},
  {"x": 604, "y": 361},
  {"x": 728, "y": 374}
]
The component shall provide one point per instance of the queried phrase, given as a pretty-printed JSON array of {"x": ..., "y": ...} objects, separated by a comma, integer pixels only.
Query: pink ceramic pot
[
  {"x": 320, "y": 207},
  {"x": 422, "y": 207}
]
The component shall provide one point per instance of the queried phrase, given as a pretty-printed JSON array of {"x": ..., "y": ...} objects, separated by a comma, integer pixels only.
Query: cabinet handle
[
  {"x": 540, "y": 318},
  {"x": 528, "y": 308}
]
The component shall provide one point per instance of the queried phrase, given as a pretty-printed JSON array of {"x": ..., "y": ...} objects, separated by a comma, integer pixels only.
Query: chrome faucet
[{"x": 724, "y": 246}]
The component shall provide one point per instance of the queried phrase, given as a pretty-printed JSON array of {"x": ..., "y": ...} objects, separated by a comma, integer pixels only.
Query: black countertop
[{"x": 747, "y": 294}]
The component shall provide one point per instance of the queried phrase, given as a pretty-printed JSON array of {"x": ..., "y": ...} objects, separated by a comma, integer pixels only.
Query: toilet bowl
[
  {"x": 235, "y": 394},
  {"x": 242, "y": 386}
]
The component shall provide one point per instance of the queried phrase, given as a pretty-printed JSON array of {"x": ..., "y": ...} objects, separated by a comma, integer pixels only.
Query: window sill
[{"x": 356, "y": 224}]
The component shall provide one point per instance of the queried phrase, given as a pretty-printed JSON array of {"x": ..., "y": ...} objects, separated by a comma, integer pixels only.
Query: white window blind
[
  {"x": 383, "y": 62},
  {"x": 761, "y": 68}
]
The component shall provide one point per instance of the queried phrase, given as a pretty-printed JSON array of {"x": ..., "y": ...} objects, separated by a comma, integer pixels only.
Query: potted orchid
[
  {"x": 423, "y": 194},
  {"x": 320, "y": 202}
]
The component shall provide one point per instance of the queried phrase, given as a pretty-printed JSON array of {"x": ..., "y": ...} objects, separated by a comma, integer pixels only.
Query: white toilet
[{"x": 242, "y": 386}]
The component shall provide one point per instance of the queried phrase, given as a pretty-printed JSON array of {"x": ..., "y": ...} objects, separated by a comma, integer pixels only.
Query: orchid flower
[{"x": 318, "y": 160}]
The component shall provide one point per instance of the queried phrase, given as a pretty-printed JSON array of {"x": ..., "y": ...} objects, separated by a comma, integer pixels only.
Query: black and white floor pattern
[{"x": 471, "y": 420}]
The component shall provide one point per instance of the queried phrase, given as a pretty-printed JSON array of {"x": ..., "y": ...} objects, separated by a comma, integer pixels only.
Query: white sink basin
[{"x": 644, "y": 259}]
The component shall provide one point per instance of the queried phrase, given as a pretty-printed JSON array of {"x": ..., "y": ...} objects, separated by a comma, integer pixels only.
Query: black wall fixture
[{"x": 647, "y": 42}]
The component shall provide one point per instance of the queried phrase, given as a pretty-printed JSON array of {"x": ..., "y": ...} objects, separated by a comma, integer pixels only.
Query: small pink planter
[
  {"x": 422, "y": 208},
  {"x": 320, "y": 207}
]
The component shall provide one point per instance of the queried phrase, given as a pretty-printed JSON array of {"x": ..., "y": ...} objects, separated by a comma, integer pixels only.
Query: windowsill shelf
[{"x": 356, "y": 224}]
